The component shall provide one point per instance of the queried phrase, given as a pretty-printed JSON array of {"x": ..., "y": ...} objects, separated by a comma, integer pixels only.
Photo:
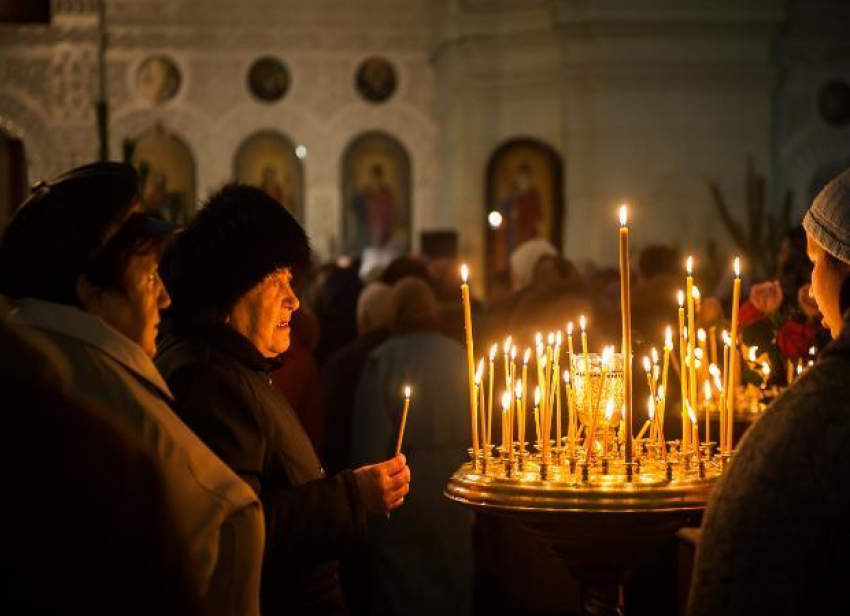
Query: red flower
[
  {"x": 749, "y": 314},
  {"x": 794, "y": 339}
]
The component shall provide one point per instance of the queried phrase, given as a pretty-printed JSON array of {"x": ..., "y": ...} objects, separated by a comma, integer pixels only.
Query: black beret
[
  {"x": 61, "y": 227},
  {"x": 239, "y": 236}
]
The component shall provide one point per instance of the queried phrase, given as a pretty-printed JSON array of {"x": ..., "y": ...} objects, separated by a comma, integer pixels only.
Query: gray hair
[{"x": 373, "y": 307}]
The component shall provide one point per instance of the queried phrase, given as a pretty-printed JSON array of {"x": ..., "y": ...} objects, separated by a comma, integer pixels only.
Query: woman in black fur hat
[{"x": 229, "y": 275}]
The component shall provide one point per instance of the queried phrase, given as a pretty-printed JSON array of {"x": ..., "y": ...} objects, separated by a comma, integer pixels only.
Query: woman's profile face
[
  {"x": 827, "y": 277},
  {"x": 134, "y": 311},
  {"x": 264, "y": 313}
]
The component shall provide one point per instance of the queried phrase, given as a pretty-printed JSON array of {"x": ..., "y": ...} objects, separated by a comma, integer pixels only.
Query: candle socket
[
  {"x": 701, "y": 469},
  {"x": 544, "y": 471},
  {"x": 669, "y": 472},
  {"x": 585, "y": 473},
  {"x": 637, "y": 466},
  {"x": 605, "y": 465},
  {"x": 572, "y": 466},
  {"x": 520, "y": 462},
  {"x": 630, "y": 471},
  {"x": 509, "y": 469}
]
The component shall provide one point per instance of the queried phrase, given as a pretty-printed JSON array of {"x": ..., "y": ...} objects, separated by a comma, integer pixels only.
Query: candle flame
[
  {"x": 558, "y": 338},
  {"x": 713, "y": 370},
  {"x": 567, "y": 377},
  {"x": 526, "y": 356},
  {"x": 799, "y": 368},
  {"x": 661, "y": 392},
  {"x": 701, "y": 335},
  {"x": 513, "y": 352},
  {"x": 609, "y": 409},
  {"x": 707, "y": 390},
  {"x": 698, "y": 354},
  {"x": 624, "y": 215},
  {"x": 506, "y": 348},
  {"x": 813, "y": 351},
  {"x": 550, "y": 339},
  {"x": 646, "y": 365},
  {"x": 668, "y": 338},
  {"x": 737, "y": 267},
  {"x": 691, "y": 414},
  {"x": 542, "y": 361},
  {"x": 727, "y": 339},
  {"x": 407, "y": 391},
  {"x": 506, "y": 400},
  {"x": 480, "y": 372},
  {"x": 752, "y": 353},
  {"x": 570, "y": 329},
  {"x": 765, "y": 368},
  {"x": 464, "y": 273},
  {"x": 690, "y": 266},
  {"x": 695, "y": 292},
  {"x": 607, "y": 356},
  {"x": 538, "y": 339},
  {"x": 582, "y": 323},
  {"x": 519, "y": 390},
  {"x": 680, "y": 296},
  {"x": 653, "y": 353},
  {"x": 493, "y": 350},
  {"x": 718, "y": 385},
  {"x": 537, "y": 396},
  {"x": 650, "y": 405}
]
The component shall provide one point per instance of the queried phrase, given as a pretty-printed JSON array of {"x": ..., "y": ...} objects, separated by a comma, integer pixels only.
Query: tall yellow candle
[
  {"x": 404, "y": 410},
  {"x": 493, "y": 350},
  {"x": 692, "y": 335},
  {"x": 524, "y": 383},
  {"x": 625, "y": 309},
  {"x": 724, "y": 412},
  {"x": 707, "y": 391},
  {"x": 668, "y": 347},
  {"x": 470, "y": 360},
  {"x": 582, "y": 323},
  {"x": 733, "y": 355},
  {"x": 520, "y": 419},
  {"x": 479, "y": 399},
  {"x": 683, "y": 371}
]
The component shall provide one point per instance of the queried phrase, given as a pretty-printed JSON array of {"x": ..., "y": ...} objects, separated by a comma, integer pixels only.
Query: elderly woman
[
  {"x": 775, "y": 535},
  {"x": 80, "y": 260},
  {"x": 229, "y": 274}
]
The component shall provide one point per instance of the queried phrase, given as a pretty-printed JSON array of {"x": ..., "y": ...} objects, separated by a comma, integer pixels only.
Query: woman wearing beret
[
  {"x": 774, "y": 539},
  {"x": 229, "y": 274},
  {"x": 80, "y": 260}
]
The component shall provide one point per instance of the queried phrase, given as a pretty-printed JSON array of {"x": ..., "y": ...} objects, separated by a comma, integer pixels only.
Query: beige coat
[{"x": 220, "y": 515}]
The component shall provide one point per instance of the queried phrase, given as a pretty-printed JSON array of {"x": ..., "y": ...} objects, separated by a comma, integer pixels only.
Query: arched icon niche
[
  {"x": 267, "y": 159},
  {"x": 376, "y": 191}
]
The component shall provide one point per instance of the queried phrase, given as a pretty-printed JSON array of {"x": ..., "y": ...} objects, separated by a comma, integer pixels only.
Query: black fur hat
[
  {"x": 239, "y": 236},
  {"x": 61, "y": 227}
]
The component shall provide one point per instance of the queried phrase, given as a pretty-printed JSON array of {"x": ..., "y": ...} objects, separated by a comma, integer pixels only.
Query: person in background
[
  {"x": 230, "y": 276},
  {"x": 421, "y": 559},
  {"x": 774, "y": 538},
  {"x": 117, "y": 549},
  {"x": 80, "y": 261}
]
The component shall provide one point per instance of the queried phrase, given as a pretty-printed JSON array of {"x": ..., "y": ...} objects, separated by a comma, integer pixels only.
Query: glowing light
[
  {"x": 519, "y": 390},
  {"x": 668, "y": 338},
  {"x": 570, "y": 329},
  {"x": 737, "y": 267},
  {"x": 650, "y": 406},
  {"x": 701, "y": 336},
  {"x": 582, "y": 323},
  {"x": 690, "y": 266},
  {"x": 680, "y": 296},
  {"x": 494, "y": 218},
  {"x": 646, "y": 365},
  {"x": 480, "y": 372},
  {"x": 493, "y": 350},
  {"x": 507, "y": 346},
  {"x": 653, "y": 353},
  {"x": 526, "y": 356},
  {"x": 567, "y": 377},
  {"x": 506, "y": 400},
  {"x": 624, "y": 215},
  {"x": 609, "y": 409},
  {"x": 301, "y": 152},
  {"x": 464, "y": 273},
  {"x": 537, "y": 396},
  {"x": 695, "y": 292},
  {"x": 707, "y": 389},
  {"x": 407, "y": 391}
]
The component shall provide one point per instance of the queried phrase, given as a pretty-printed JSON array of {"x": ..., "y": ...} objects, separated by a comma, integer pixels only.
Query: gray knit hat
[{"x": 828, "y": 219}]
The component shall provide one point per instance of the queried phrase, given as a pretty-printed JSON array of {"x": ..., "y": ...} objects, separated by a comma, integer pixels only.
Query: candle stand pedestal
[{"x": 602, "y": 526}]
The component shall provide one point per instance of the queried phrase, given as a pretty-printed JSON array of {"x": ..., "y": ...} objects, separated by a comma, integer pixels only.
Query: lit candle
[
  {"x": 625, "y": 309},
  {"x": 692, "y": 371},
  {"x": 571, "y": 419},
  {"x": 537, "y": 413},
  {"x": 695, "y": 437},
  {"x": 507, "y": 437},
  {"x": 683, "y": 370},
  {"x": 493, "y": 350},
  {"x": 725, "y": 417},
  {"x": 733, "y": 354},
  {"x": 651, "y": 412},
  {"x": 582, "y": 324},
  {"x": 479, "y": 399},
  {"x": 524, "y": 384},
  {"x": 404, "y": 410},
  {"x": 470, "y": 360},
  {"x": 520, "y": 419},
  {"x": 668, "y": 347},
  {"x": 707, "y": 390}
]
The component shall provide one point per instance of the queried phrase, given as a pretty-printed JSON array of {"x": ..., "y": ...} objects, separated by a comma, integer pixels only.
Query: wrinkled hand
[
  {"x": 766, "y": 296},
  {"x": 383, "y": 485},
  {"x": 807, "y": 302}
]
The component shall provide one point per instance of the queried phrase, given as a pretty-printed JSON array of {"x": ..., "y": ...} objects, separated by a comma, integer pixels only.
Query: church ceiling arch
[
  {"x": 269, "y": 160},
  {"x": 524, "y": 199}
]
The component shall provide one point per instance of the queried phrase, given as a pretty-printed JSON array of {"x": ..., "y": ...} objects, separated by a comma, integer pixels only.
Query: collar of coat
[
  {"x": 91, "y": 330},
  {"x": 226, "y": 339}
]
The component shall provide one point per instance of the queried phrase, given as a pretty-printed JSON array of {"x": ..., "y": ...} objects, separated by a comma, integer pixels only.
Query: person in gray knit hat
[
  {"x": 774, "y": 539},
  {"x": 827, "y": 225}
]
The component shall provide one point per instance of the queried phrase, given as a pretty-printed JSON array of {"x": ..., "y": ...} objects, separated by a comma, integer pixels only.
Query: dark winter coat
[
  {"x": 223, "y": 390},
  {"x": 775, "y": 538}
]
